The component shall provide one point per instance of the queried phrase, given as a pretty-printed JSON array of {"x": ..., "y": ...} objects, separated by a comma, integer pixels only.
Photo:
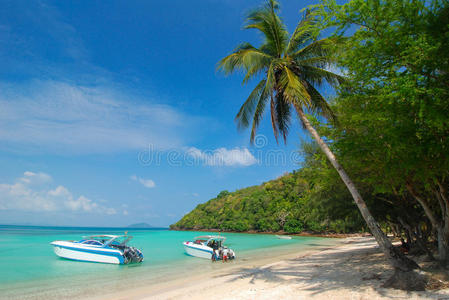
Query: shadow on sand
[{"x": 356, "y": 269}]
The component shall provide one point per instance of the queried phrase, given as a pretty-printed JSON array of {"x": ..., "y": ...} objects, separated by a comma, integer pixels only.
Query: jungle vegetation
[{"x": 309, "y": 199}]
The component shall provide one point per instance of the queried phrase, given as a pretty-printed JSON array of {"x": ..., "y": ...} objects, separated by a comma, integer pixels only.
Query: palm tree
[{"x": 292, "y": 68}]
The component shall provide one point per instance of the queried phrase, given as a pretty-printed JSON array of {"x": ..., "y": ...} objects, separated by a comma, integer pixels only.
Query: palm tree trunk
[{"x": 396, "y": 258}]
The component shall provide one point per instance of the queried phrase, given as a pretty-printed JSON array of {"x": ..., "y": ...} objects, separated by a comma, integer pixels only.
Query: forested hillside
[{"x": 312, "y": 198}]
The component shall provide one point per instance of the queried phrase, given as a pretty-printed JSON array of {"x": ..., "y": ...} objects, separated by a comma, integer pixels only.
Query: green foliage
[
  {"x": 393, "y": 110},
  {"x": 293, "y": 226},
  {"x": 223, "y": 194},
  {"x": 308, "y": 199}
]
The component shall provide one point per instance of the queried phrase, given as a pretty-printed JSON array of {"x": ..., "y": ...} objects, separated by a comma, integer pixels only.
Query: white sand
[{"x": 354, "y": 270}]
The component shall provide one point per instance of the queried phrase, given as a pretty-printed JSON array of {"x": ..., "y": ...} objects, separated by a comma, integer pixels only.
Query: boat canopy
[
  {"x": 101, "y": 236},
  {"x": 211, "y": 237},
  {"x": 109, "y": 239}
]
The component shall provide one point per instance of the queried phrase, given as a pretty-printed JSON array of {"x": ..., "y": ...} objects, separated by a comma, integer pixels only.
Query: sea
[{"x": 29, "y": 269}]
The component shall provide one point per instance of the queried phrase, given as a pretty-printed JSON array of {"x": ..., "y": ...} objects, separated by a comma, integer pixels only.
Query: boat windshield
[
  {"x": 91, "y": 242},
  {"x": 107, "y": 240},
  {"x": 119, "y": 241},
  {"x": 211, "y": 237},
  {"x": 212, "y": 241},
  {"x": 214, "y": 244},
  {"x": 198, "y": 241}
]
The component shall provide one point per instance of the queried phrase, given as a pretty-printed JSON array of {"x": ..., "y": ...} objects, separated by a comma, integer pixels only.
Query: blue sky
[{"x": 112, "y": 112}]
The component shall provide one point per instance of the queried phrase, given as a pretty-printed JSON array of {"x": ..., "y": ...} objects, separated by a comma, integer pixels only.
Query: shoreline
[
  {"x": 353, "y": 268},
  {"x": 304, "y": 233},
  {"x": 161, "y": 290},
  {"x": 152, "y": 274}
]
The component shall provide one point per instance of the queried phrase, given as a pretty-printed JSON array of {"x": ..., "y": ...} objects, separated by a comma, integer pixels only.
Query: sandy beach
[{"x": 354, "y": 269}]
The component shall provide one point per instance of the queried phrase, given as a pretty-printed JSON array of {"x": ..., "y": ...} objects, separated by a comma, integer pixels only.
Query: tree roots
[{"x": 414, "y": 280}]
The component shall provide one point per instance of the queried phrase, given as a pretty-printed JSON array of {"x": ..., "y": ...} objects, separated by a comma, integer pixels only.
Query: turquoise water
[{"x": 29, "y": 267}]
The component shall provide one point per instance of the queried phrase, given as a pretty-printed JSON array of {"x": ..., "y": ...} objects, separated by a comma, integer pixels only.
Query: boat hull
[
  {"x": 284, "y": 237},
  {"x": 72, "y": 251},
  {"x": 198, "y": 250}
]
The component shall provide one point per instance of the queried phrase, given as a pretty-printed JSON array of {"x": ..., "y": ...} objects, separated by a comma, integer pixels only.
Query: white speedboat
[
  {"x": 210, "y": 247},
  {"x": 284, "y": 237},
  {"x": 111, "y": 249}
]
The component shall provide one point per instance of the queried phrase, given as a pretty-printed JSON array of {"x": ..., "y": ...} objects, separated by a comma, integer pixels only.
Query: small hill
[
  {"x": 288, "y": 203},
  {"x": 271, "y": 206},
  {"x": 140, "y": 225}
]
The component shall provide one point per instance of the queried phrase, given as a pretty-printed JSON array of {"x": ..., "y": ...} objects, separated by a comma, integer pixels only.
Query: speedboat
[
  {"x": 284, "y": 237},
  {"x": 110, "y": 249},
  {"x": 210, "y": 247}
]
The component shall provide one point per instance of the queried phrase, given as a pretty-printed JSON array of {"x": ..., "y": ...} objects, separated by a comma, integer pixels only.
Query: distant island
[{"x": 140, "y": 225}]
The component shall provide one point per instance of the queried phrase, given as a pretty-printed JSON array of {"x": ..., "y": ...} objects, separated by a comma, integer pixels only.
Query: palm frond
[
  {"x": 323, "y": 47},
  {"x": 274, "y": 118},
  {"x": 292, "y": 87},
  {"x": 304, "y": 32},
  {"x": 322, "y": 62},
  {"x": 263, "y": 98},
  {"x": 258, "y": 115},
  {"x": 319, "y": 105},
  {"x": 316, "y": 76},
  {"x": 253, "y": 72},
  {"x": 247, "y": 109},
  {"x": 283, "y": 115},
  {"x": 270, "y": 24},
  {"x": 244, "y": 57}
]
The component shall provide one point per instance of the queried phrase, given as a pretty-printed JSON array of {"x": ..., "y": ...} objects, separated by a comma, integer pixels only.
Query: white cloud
[
  {"x": 223, "y": 157},
  {"x": 148, "y": 183},
  {"x": 67, "y": 118},
  {"x": 60, "y": 191},
  {"x": 35, "y": 178},
  {"x": 32, "y": 193},
  {"x": 125, "y": 209}
]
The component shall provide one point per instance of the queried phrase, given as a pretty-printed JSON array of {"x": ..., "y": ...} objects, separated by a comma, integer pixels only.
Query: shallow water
[{"x": 30, "y": 269}]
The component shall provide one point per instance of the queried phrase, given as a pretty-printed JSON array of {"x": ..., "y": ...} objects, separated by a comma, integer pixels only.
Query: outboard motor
[
  {"x": 132, "y": 255},
  {"x": 231, "y": 254}
]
